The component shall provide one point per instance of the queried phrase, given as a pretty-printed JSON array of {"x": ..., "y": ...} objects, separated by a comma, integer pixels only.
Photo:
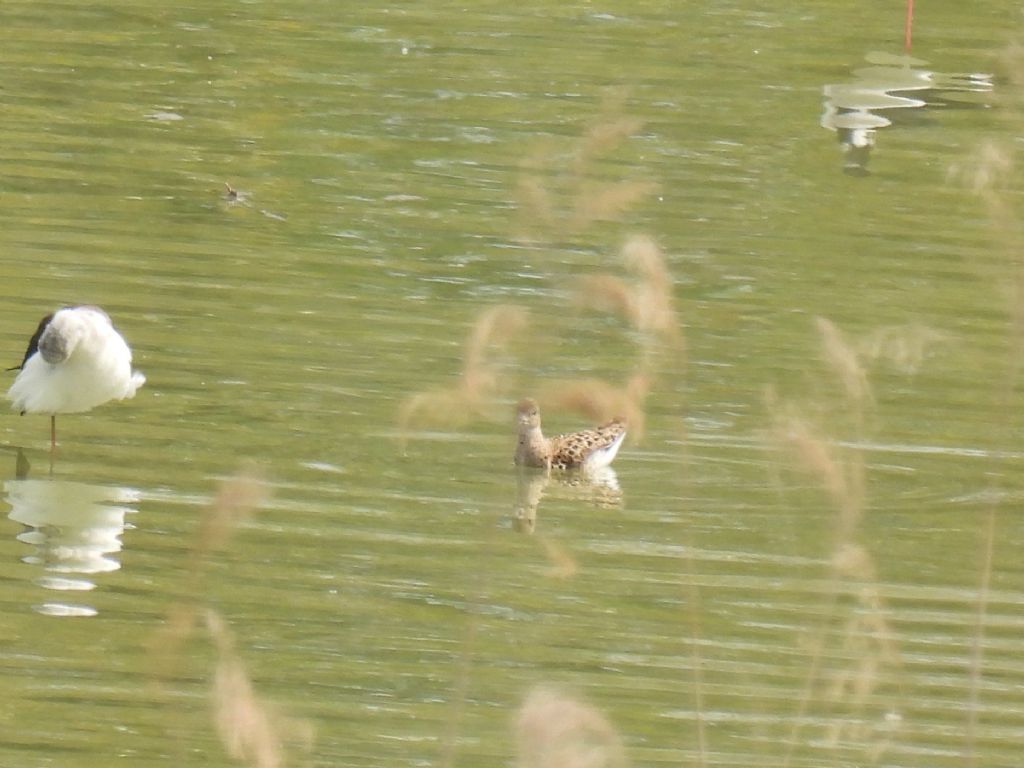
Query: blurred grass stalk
[
  {"x": 990, "y": 173},
  {"x": 867, "y": 646},
  {"x": 236, "y": 499},
  {"x": 250, "y": 729}
]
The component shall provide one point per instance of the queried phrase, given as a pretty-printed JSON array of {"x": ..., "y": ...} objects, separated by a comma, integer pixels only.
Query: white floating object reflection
[
  {"x": 62, "y": 584},
  {"x": 62, "y": 609}
]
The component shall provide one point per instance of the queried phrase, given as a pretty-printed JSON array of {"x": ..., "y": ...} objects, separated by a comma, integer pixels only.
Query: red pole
[{"x": 908, "y": 26}]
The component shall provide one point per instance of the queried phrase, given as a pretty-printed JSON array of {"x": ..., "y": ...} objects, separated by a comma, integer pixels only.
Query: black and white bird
[{"x": 75, "y": 361}]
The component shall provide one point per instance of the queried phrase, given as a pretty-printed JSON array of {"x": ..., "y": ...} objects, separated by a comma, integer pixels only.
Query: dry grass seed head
[
  {"x": 437, "y": 407},
  {"x": 815, "y": 456},
  {"x": 987, "y": 173},
  {"x": 494, "y": 327},
  {"x": 562, "y": 564},
  {"x": 903, "y": 347},
  {"x": 1012, "y": 68},
  {"x": 246, "y": 725},
  {"x": 237, "y": 498},
  {"x": 654, "y": 295},
  {"x": 608, "y": 130},
  {"x": 604, "y": 136},
  {"x": 843, "y": 360},
  {"x": 852, "y": 561},
  {"x": 479, "y": 381},
  {"x": 608, "y": 293},
  {"x": 535, "y": 202},
  {"x": 607, "y": 202},
  {"x": 601, "y": 401},
  {"x": 165, "y": 645},
  {"x": 643, "y": 256},
  {"x": 555, "y": 730},
  {"x": 647, "y": 302}
]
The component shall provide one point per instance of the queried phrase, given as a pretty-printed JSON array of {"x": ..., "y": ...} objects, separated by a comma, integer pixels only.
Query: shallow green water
[{"x": 386, "y": 602}]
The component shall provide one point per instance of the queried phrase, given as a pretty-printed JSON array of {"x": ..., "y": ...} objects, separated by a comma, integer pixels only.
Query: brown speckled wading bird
[{"x": 588, "y": 449}]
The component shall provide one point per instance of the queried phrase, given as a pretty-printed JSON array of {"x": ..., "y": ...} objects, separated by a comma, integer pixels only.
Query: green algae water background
[{"x": 344, "y": 239}]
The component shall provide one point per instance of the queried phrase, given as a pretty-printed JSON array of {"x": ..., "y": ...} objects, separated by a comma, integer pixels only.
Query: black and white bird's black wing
[{"x": 33, "y": 343}]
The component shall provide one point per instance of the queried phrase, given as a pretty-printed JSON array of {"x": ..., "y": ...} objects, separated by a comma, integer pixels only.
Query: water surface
[{"x": 296, "y": 212}]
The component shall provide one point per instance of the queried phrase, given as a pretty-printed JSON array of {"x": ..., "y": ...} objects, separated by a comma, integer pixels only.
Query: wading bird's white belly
[{"x": 602, "y": 457}]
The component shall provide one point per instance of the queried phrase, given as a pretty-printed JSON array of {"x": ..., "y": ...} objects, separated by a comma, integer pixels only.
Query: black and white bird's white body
[{"x": 75, "y": 361}]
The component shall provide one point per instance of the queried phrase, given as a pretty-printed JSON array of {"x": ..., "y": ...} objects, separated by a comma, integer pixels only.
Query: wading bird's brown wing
[{"x": 571, "y": 450}]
